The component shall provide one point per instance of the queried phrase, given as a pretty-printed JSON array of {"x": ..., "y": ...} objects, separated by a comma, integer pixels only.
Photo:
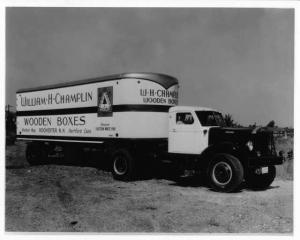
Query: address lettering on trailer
[{"x": 61, "y": 125}]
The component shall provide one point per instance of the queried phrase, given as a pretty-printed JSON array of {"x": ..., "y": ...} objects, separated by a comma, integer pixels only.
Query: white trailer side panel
[{"x": 123, "y": 108}]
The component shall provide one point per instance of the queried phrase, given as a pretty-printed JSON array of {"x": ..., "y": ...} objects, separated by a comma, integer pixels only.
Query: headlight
[{"x": 249, "y": 144}]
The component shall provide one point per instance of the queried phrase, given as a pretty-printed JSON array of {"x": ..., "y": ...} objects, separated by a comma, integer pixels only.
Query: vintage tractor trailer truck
[{"x": 135, "y": 119}]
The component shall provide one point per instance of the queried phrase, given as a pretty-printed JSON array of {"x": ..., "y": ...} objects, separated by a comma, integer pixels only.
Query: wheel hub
[{"x": 222, "y": 173}]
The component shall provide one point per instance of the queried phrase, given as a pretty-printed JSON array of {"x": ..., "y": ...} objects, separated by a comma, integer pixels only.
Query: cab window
[
  {"x": 184, "y": 118},
  {"x": 210, "y": 118}
]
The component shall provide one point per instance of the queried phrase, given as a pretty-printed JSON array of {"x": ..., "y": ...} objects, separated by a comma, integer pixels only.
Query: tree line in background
[{"x": 230, "y": 122}]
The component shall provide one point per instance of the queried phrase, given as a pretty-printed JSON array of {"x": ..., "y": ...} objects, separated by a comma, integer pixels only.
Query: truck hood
[
  {"x": 261, "y": 137},
  {"x": 227, "y": 134}
]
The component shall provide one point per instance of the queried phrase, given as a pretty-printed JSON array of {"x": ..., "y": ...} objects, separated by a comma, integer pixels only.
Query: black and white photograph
[{"x": 149, "y": 120}]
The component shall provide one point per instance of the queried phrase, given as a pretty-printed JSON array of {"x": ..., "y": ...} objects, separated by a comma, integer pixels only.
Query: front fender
[{"x": 221, "y": 147}]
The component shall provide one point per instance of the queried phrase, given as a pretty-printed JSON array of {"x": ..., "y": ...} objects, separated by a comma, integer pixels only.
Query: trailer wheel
[
  {"x": 261, "y": 181},
  {"x": 36, "y": 154},
  {"x": 225, "y": 173},
  {"x": 123, "y": 167}
]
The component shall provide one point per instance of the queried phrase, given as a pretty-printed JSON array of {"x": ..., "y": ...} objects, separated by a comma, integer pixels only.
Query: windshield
[{"x": 210, "y": 118}]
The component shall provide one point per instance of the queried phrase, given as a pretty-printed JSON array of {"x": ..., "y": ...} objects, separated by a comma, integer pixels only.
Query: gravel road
[{"x": 86, "y": 199}]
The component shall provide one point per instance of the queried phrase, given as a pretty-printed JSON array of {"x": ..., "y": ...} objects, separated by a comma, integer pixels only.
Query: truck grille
[{"x": 264, "y": 143}]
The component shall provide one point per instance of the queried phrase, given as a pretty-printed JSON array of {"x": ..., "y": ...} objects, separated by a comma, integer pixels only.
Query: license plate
[{"x": 264, "y": 170}]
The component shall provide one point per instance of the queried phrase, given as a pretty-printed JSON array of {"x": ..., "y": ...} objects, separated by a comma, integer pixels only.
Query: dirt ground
[{"x": 61, "y": 198}]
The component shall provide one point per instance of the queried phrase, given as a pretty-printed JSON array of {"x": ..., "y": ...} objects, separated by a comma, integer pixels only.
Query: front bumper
[{"x": 265, "y": 161}]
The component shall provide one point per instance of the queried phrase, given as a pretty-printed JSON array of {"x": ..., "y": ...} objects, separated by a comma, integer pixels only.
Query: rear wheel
[
  {"x": 225, "y": 173},
  {"x": 123, "y": 166},
  {"x": 255, "y": 179}
]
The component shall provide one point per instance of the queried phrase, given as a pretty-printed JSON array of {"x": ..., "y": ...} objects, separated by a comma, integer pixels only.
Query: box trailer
[{"x": 134, "y": 117}]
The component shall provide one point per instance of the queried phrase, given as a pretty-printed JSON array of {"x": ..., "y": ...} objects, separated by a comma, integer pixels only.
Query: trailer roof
[{"x": 164, "y": 80}]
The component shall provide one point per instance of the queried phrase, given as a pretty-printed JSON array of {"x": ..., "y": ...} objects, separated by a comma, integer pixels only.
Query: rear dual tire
[{"x": 123, "y": 165}]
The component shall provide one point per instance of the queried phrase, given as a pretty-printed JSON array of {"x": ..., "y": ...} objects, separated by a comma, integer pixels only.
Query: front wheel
[
  {"x": 225, "y": 173},
  {"x": 260, "y": 181}
]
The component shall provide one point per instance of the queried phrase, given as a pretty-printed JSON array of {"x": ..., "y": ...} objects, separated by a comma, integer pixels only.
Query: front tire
[
  {"x": 225, "y": 173},
  {"x": 261, "y": 181},
  {"x": 123, "y": 166}
]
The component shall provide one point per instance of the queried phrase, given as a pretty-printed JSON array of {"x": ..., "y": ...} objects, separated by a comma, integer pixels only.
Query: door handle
[{"x": 173, "y": 130}]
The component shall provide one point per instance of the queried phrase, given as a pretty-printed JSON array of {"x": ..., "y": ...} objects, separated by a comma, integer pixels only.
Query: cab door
[{"x": 186, "y": 135}]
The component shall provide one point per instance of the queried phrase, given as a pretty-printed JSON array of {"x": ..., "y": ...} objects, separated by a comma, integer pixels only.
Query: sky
[{"x": 239, "y": 61}]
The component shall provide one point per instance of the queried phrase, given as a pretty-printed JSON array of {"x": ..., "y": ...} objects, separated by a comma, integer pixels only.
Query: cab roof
[{"x": 164, "y": 80}]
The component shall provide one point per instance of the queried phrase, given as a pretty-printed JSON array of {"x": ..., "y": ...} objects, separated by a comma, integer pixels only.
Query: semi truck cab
[
  {"x": 189, "y": 128},
  {"x": 226, "y": 156}
]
